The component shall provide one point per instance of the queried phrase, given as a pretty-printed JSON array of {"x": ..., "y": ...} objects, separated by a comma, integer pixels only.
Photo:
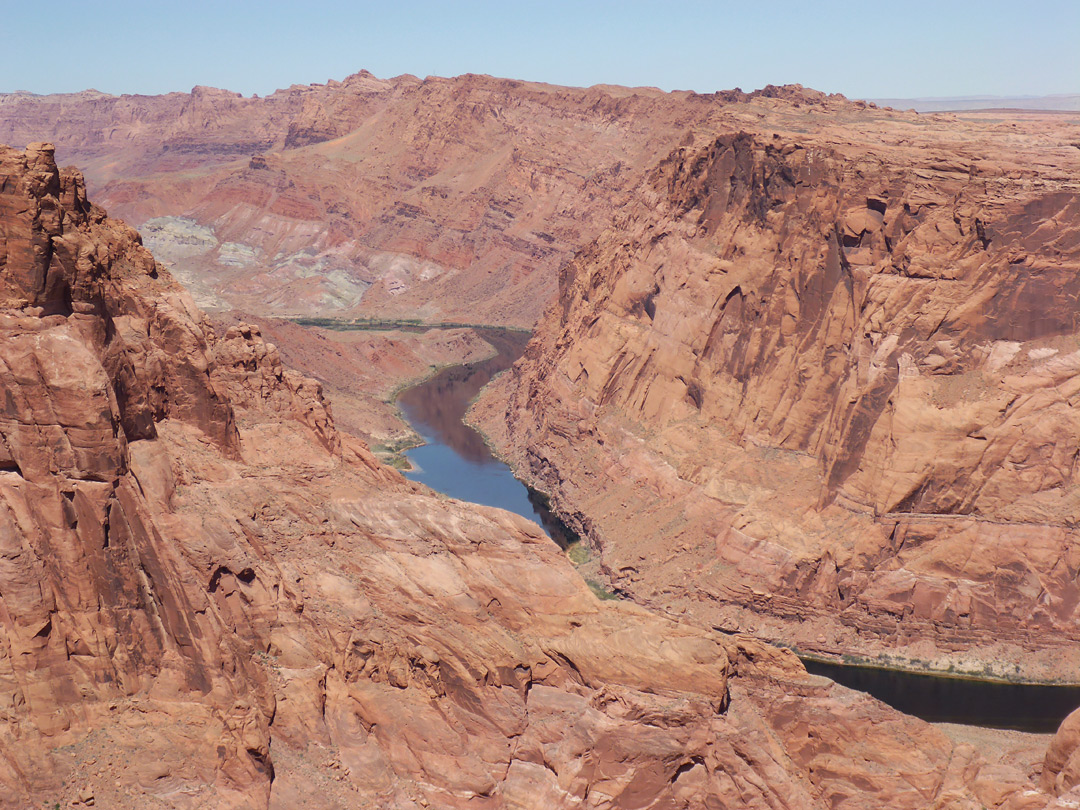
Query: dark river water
[
  {"x": 456, "y": 461},
  {"x": 1024, "y": 707}
]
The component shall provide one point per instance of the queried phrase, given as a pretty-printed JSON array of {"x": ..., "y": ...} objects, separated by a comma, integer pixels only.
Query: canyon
[
  {"x": 212, "y": 598},
  {"x": 444, "y": 200},
  {"x": 818, "y": 384},
  {"x": 803, "y": 372},
  {"x": 435, "y": 201}
]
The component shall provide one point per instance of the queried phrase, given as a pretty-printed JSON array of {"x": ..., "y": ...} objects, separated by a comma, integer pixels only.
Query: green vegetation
[
  {"x": 359, "y": 323},
  {"x": 389, "y": 324},
  {"x": 578, "y": 553},
  {"x": 599, "y": 591},
  {"x": 398, "y": 462},
  {"x": 392, "y": 452}
]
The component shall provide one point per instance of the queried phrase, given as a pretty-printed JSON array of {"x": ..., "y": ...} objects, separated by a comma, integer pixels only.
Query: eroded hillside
[
  {"x": 439, "y": 199},
  {"x": 210, "y": 598},
  {"x": 820, "y": 383}
]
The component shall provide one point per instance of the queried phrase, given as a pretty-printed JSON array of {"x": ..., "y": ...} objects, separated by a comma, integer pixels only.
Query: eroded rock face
[
  {"x": 362, "y": 370},
  {"x": 1061, "y": 769},
  {"x": 98, "y": 350},
  {"x": 837, "y": 373},
  {"x": 445, "y": 200},
  {"x": 208, "y": 598}
]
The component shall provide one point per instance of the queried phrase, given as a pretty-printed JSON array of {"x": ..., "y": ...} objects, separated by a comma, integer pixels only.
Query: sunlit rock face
[
  {"x": 211, "y": 598},
  {"x": 452, "y": 200},
  {"x": 819, "y": 383}
]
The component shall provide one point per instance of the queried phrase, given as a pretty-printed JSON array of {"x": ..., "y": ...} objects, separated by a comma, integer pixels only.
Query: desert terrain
[
  {"x": 834, "y": 366},
  {"x": 803, "y": 376}
]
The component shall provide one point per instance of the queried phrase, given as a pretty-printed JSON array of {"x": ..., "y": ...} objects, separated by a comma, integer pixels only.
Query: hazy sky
[{"x": 862, "y": 49}]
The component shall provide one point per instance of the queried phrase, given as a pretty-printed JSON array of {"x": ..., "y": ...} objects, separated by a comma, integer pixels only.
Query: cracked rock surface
[{"x": 211, "y": 598}]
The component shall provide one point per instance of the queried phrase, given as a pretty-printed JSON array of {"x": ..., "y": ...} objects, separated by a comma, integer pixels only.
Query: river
[
  {"x": 1034, "y": 708},
  {"x": 456, "y": 461},
  {"x": 454, "y": 458}
]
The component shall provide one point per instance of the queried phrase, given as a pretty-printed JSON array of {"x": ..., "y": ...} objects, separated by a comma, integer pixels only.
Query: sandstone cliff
[
  {"x": 209, "y": 598},
  {"x": 820, "y": 383},
  {"x": 440, "y": 199}
]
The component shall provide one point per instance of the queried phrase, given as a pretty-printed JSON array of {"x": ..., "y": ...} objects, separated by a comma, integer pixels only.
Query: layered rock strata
[
  {"x": 822, "y": 386},
  {"x": 445, "y": 200},
  {"x": 210, "y": 598}
]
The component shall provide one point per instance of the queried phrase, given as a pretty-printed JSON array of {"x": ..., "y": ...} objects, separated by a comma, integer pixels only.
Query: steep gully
[{"x": 456, "y": 460}]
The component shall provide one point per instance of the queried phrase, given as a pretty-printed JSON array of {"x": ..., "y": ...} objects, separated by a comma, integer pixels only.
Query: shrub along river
[{"x": 456, "y": 461}]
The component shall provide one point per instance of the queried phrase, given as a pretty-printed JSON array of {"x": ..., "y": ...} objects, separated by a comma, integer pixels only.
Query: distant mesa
[{"x": 1062, "y": 103}]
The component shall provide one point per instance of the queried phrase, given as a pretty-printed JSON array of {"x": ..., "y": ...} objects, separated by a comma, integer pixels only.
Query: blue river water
[
  {"x": 454, "y": 458},
  {"x": 456, "y": 461},
  {"x": 1033, "y": 708}
]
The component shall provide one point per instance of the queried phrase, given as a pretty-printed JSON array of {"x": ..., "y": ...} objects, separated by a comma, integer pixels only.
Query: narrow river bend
[{"x": 456, "y": 461}]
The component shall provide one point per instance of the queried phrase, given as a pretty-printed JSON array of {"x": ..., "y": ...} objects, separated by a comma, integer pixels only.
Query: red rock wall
[
  {"x": 838, "y": 375},
  {"x": 208, "y": 598},
  {"x": 455, "y": 199}
]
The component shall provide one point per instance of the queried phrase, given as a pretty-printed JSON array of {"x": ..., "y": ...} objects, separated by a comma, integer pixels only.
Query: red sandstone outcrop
[
  {"x": 210, "y": 599},
  {"x": 820, "y": 383},
  {"x": 362, "y": 370},
  {"x": 442, "y": 199},
  {"x": 1061, "y": 769}
]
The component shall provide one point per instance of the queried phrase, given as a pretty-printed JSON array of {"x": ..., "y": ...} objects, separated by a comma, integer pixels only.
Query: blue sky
[{"x": 862, "y": 49}]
